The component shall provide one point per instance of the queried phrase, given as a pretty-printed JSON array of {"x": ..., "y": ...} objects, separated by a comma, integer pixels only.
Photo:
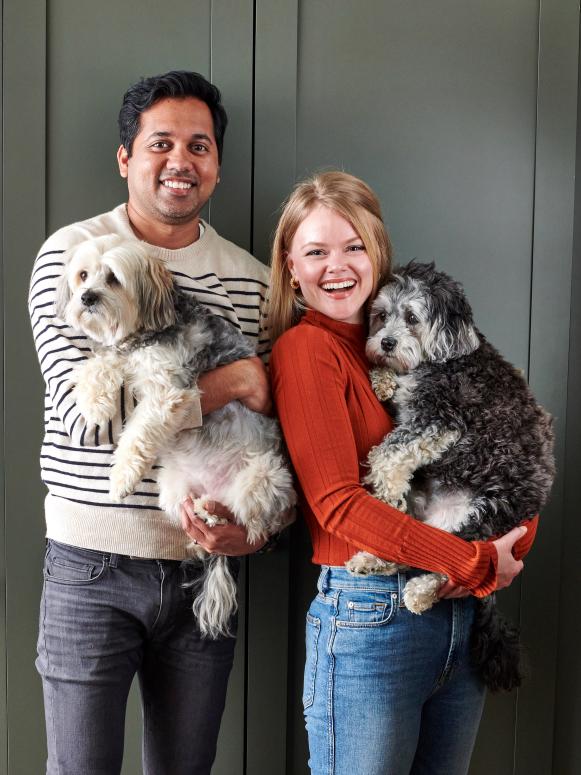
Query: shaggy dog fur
[
  {"x": 157, "y": 341},
  {"x": 472, "y": 452}
]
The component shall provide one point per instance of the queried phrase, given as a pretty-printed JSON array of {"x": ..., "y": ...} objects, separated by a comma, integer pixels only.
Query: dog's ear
[
  {"x": 453, "y": 334},
  {"x": 155, "y": 296}
]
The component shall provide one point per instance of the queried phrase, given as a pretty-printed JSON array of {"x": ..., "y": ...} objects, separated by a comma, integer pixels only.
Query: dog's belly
[
  {"x": 234, "y": 450},
  {"x": 442, "y": 508}
]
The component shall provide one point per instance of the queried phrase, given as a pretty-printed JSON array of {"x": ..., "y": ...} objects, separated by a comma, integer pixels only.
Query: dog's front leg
[
  {"x": 392, "y": 466},
  {"x": 154, "y": 423},
  {"x": 97, "y": 382},
  {"x": 393, "y": 462}
]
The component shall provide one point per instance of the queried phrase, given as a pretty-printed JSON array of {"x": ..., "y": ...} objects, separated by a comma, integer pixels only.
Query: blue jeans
[
  {"x": 103, "y": 619},
  {"x": 388, "y": 692}
]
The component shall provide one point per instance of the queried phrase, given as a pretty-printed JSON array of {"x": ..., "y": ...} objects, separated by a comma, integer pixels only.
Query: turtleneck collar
[{"x": 354, "y": 333}]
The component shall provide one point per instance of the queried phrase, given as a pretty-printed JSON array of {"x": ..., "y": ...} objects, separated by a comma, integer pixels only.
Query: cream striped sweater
[{"x": 74, "y": 462}]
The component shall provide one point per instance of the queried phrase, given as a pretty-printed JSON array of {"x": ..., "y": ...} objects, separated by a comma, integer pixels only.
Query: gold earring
[{"x": 294, "y": 283}]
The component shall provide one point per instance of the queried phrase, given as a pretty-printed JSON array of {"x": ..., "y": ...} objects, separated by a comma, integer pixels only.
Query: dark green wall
[{"x": 462, "y": 114}]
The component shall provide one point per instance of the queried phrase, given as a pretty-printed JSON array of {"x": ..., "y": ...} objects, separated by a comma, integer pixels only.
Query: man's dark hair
[{"x": 177, "y": 83}]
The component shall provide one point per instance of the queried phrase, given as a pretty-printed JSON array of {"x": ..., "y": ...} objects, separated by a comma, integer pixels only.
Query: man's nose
[{"x": 180, "y": 159}]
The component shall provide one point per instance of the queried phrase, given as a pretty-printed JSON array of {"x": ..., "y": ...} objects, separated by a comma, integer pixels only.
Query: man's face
[{"x": 173, "y": 168}]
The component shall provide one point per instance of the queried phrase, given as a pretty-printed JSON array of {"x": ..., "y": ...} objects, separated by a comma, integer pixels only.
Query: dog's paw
[
  {"x": 421, "y": 592},
  {"x": 366, "y": 564},
  {"x": 383, "y": 383},
  {"x": 201, "y": 509},
  {"x": 123, "y": 480},
  {"x": 95, "y": 409},
  {"x": 94, "y": 395}
]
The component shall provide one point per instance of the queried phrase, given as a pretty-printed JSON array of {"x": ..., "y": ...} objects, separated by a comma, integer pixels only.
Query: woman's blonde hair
[{"x": 351, "y": 198}]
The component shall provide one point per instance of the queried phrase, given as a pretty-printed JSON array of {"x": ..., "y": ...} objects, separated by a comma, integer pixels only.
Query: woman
[{"x": 386, "y": 692}]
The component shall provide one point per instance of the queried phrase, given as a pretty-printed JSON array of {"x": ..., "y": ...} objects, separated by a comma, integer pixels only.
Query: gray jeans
[{"x": 104, "y": 618}]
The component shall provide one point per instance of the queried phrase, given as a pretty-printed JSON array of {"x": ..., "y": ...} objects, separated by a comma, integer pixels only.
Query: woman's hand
[
  {"x": 229, "y": 539},
  {"x": 506, "y": 570},
  {"x": 507, "y": 567}
]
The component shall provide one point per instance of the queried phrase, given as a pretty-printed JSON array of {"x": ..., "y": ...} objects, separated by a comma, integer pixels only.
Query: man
[{"x": 117, "y": 596}]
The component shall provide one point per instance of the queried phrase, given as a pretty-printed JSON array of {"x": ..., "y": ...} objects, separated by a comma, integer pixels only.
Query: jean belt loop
[
  {"x": 111, "y": 559},
  {"x": 323, "y": 583},
  {"x": 401, "y": 582}
]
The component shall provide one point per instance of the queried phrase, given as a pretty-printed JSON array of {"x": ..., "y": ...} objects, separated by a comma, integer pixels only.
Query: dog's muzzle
[
  {"x": 388, "y": 344},
  {"x": 89, "y": 298}
]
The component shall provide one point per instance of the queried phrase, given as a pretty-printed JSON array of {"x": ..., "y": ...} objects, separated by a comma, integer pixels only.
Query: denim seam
[
  {"x": 358, "y": 588},
  {"x": 160, "y": 597},
  {"x": 454, "y": 642},
  {"x": 50, "y": 691},
  {"x": 316, "y": 623},
  {"x": 331, "y": 698}
]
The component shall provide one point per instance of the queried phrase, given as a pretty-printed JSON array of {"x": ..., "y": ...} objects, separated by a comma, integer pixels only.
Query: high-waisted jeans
[
  {"x": 104, "y": 618},
  {"x": 388, "y": 692}
]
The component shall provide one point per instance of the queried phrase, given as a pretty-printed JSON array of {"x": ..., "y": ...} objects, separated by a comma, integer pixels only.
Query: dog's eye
[
  {"x": 111, "y": 279},
  {"x": 381, "y": 316},
  {"x": 83, "y": 276},
  {"x": 411, "y": 319}
]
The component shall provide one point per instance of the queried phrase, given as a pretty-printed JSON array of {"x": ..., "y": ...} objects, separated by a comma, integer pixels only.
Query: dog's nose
[
  {"x": 89, "y": 298},
  {"x": 388, "y": 343}
]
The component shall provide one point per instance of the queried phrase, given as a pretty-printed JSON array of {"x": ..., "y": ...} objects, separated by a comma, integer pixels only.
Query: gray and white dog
[
  {"x": 156, "y": 340},
  {"x": 472, "y": 451}
]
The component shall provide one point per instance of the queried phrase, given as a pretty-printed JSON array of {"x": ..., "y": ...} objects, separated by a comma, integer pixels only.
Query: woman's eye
[
  {"x": 356, "y": 248},
  {"x": 83, "y": 276},
  {"x": 315, "y": 252},
  {"x": 411, "y": 319}
]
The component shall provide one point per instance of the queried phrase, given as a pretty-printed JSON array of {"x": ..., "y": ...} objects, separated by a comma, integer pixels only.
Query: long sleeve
[{"x": 311, "y": 391}]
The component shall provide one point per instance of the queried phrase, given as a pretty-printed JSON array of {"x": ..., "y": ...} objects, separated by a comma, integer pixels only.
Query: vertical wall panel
[
  {"x": 436, "y": 106},
  {"x": 24, "y": 224},
  {"x": 567, "y": 748},
  {"x": 274, "y": 126},
  {"x": 550, "y": 315},
  {"x": 3, "y": 708},
  {"x": 92, "y": 53}
]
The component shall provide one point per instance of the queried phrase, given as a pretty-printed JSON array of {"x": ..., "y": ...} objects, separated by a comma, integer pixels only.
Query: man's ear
[{"x": 122, "y": 160}]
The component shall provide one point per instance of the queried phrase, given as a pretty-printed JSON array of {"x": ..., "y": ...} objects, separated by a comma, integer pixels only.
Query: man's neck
[{"x": 163, "y": 235}]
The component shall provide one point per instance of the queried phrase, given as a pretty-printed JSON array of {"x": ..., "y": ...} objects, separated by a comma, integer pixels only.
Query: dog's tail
[
  {"x": 496, "y": 648},
  {"x": 216, "y": 601}
]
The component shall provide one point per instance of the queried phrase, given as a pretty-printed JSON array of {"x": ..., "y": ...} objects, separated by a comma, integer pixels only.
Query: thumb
[{"x": 513, "y": 536}]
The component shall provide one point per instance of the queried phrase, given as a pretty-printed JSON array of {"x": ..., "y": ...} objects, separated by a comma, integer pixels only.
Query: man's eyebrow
[{"x": 195, "y": 136}]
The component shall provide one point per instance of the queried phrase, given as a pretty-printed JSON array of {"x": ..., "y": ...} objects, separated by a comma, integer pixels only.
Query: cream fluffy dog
[{"x": 156, "y": 340}]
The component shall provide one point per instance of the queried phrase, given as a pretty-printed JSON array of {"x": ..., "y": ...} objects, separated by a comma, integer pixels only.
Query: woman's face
[{"x": 332, "y": 266}]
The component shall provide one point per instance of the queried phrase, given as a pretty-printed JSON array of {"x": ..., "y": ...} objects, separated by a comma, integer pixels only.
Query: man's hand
[
  {"x": 229, "y": 539},
  {"x": 245, "y": 380}
]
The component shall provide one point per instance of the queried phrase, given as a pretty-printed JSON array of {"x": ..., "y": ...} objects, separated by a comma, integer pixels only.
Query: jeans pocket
[
  {"x": 71, "y": 566},
  {"x": 312, "y": 643},
  {"x": 366, "y": 608}
]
